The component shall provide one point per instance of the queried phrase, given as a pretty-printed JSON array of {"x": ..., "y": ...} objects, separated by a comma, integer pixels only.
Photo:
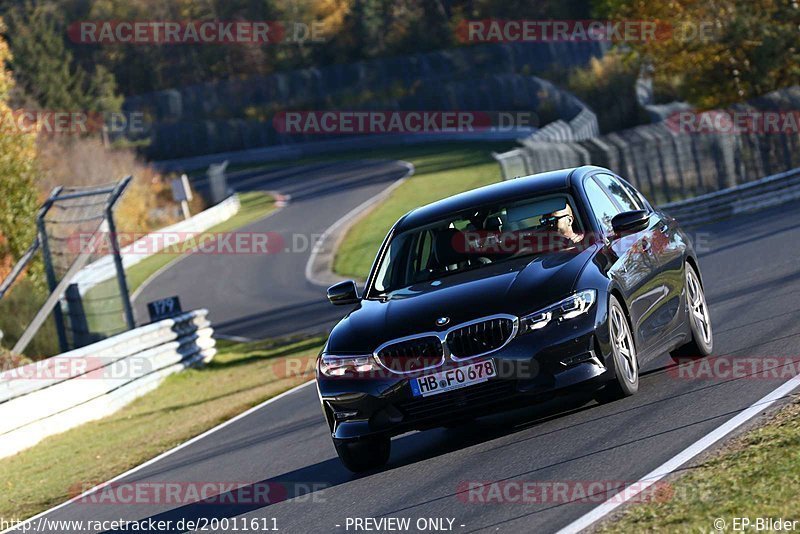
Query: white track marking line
[
  {"x": 162, "y": 455},
  {"x": 681, "y": 458}
]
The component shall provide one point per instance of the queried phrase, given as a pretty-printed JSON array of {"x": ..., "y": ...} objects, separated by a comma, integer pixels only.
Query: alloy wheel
[
  {"x": 623, "y": 345},
  {"x": 698, "y": 307}
]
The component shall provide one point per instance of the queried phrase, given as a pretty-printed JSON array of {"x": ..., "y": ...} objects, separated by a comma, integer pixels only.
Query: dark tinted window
[
  {"x": 603, "y": 207},
  {"x": 474, "y": 239},
  {"x": 619, "y": 192},
  {"x": 636, "y": 194}
]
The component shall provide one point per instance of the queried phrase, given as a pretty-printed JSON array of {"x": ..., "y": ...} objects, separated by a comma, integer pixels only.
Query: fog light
[
  {"x": 343, "y": 416},
  {"x": 586, "y": 357}
]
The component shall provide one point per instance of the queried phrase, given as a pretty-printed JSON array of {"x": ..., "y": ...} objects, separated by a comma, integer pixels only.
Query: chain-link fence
[{"x": 76, "y": 227}]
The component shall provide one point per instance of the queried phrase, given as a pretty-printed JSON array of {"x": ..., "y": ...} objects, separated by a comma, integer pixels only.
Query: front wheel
[
  {"x": 625, "y": 360},
  {"x": 702, "y": 342},
  {"x": 364, "y": 454}
]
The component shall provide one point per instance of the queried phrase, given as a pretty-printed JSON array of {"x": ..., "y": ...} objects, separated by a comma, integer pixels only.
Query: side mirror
[
  {"x": 630, "y": 222},
  {"x": 343, "y": 293}
]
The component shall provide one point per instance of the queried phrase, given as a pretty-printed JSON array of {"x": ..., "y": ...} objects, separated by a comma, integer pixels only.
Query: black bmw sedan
[{"x": 508, "y": 294}]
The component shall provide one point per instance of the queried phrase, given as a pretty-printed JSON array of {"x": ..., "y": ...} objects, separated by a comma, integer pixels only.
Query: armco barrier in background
[
  {"x": 754, "y": 196},
  {"x": 746, "y": 198},
  {"x": 668, "y": 162},
  {"x": 215, "y": 117},
  {"x": 37, "y": 401}
]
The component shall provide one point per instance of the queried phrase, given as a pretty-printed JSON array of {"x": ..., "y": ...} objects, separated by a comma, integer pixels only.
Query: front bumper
[{"x": 536, "y": 365}]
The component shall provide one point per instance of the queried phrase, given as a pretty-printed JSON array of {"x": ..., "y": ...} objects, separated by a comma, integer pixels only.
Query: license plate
[{"x": 457, "y": 378}]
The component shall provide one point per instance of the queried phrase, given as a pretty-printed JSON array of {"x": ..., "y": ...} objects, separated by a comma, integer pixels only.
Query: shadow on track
[
  {"x": 310, "y": 317},
  {"x": 303, "y": 483}
]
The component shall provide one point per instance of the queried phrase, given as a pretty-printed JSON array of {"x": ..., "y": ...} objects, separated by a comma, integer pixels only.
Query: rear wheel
[
  {"x": 702, "y": 342},
  {"x": 363, "y": 454},
  {"x": 625, "y": 359}
]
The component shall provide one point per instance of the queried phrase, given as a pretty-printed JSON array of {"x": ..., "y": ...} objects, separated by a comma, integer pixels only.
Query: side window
[
  {"x": 619, "y": 192},
  {"x": 636, "y": 194},
  {"x": 602, "y": 206},
  {"x": 382, "y": 279}
]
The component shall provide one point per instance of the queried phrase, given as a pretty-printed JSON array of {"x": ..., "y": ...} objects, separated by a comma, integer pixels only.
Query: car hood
[{"x": 516, "y": 287}]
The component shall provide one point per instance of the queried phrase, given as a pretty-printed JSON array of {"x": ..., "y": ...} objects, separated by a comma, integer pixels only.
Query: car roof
[{"x": 509, "y": 190}]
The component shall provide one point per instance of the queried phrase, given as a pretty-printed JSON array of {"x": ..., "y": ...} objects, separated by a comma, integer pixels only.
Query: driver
[{"x": 562, "y": 222}]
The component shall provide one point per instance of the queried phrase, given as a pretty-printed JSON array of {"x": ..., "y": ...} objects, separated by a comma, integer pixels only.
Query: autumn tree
[
  {"x": 46, "y": 69},
  {"x": 18, "y": 200},
  {"x": 716, "y": 52}
]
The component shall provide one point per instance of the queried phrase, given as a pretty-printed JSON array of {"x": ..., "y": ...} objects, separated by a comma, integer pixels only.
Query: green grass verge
[
  {"x": 440, "y": 171},
  {"x": 102, "y": 303},
  {"x": 756, "y": 475},
  {"x": 17, "y": 309},
  {"x": 185, "y": 405}
]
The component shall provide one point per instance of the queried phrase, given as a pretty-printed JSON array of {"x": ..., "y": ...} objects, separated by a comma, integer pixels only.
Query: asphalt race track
[
  {"x": 257, "y": 295},
  {"x": 752, "y": 278}
]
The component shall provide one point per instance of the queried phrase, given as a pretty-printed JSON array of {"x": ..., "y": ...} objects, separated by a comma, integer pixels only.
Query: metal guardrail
[
  {"x": 746, "y": 198},
  {"x": 36, "y": 401}
]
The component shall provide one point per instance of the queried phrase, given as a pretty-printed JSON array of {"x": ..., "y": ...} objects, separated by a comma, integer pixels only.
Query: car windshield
[{"x": 477, "y": 238}]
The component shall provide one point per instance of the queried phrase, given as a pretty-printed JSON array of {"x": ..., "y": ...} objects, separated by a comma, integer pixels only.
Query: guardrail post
[
  {"x": 112, "y": 230},
  {"x": 50, "y": 273},
  {"x": 217, "y": 182},
  {"x": 81, "y": 336}
]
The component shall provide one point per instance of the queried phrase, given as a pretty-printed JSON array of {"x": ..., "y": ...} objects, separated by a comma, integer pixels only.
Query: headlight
[
  {"x": 569, "y": 308},
  {"x": 335, "y": 365}
]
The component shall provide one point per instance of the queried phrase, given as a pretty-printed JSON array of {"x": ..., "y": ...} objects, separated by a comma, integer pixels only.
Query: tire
[
  {"x": 364, "y": 454},
  {"x": 625, "y": 359},
  {"x": 702, "y": 342}
]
